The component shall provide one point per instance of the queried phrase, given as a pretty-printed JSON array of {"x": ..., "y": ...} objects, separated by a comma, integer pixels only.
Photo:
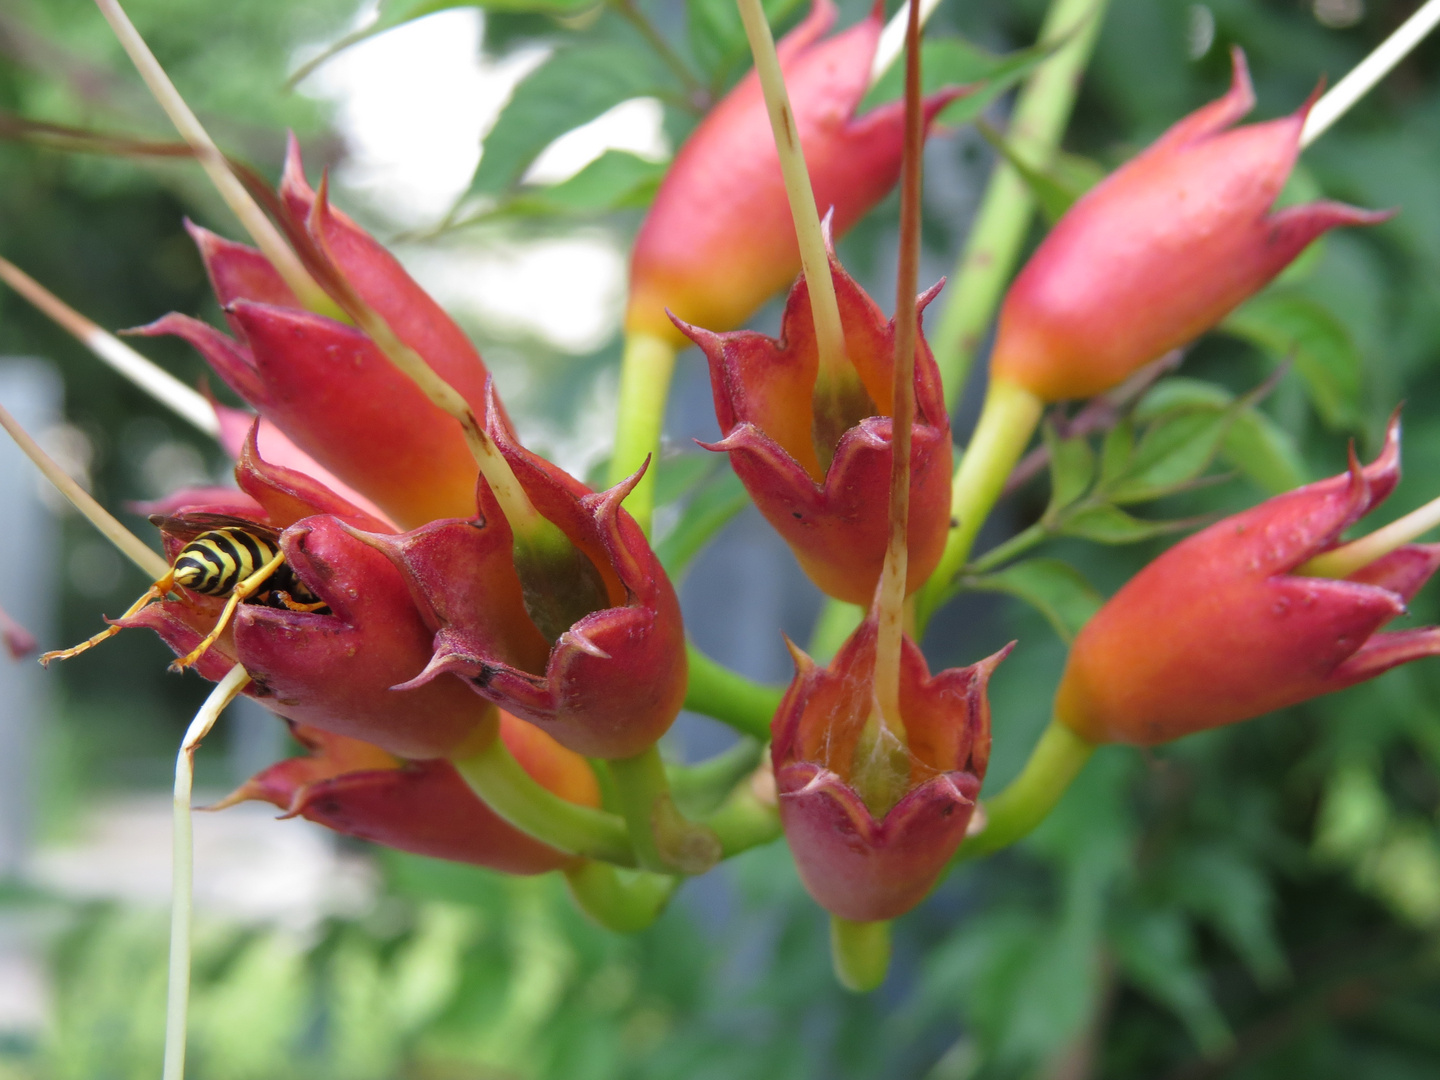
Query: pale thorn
[
  {"x": 822, "y": 779},
  {"x": 978, "y": 820},
  {"x": 177, "y": 1004},
  {"x": 261, "y": 229},
  {"x": 188, "y": 404},
  {"x": 1365, "y": 75},
  {"x": 892, "y": 38},
  {"x": 584, "y": 644},
  {"x": 1343, "y": 561},
  {"x": 151, "y": 562}
]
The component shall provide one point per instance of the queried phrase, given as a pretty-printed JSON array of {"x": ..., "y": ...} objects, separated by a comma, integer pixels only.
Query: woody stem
[
  {"x": 815, "y": 260},
  {"x": 1028, "y": 799},
  {"x": 998, "y": 233}
]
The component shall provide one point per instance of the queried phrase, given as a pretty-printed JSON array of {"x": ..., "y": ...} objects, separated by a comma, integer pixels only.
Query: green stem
[
  {"x": 1054, "y": 763},
  {"x": 1018, "y": 544},
  {"x": 506, "y": 788},
  {"x": 744, "y": 822},
  {"x": 700, "y": 789},
  {"x": 716, "y": 691},
  {"x": 664, "y": 840},
  {"x": 837, "y": 622},
  {"x": 860, "y": 952},
  {"x": 1007, "y": 421},
  {"x": 1041, "y": 114},
  {"x": 645, "y": 372},
  {"x": 625, "y": 901}
]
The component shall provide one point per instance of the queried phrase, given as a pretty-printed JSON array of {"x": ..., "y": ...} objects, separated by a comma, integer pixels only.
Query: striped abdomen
[{"x": 216, "y": 561}]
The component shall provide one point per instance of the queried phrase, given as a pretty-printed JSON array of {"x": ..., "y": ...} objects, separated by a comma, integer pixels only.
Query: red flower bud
[
  {"x": 833, "y": 518},
  {"x": 718, "y": 241},
  {"x": 867, "y": 863},
  {"x": 611, "y": 684},
  {"x": 423, "y": 807},
  {"x": 1219, "y": 628},
  {"x": 1160, "y": 251}
]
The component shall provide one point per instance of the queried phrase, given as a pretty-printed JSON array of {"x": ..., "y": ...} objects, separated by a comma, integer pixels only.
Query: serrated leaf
[
  {"x": 1056, "y": 184},
  {"x": 616, "y": 180},
  {"x": 1052, "y": 587},
  {"x": 1326, "y": 357},
  {"x": 1155, "y": 951},
  {"x": 573, "y": 86},
  {"x": 1265, "y": 452},
  {"x": 1172, "y": 451},
  {"x": 708, "y": 511},
  {"x": 1106, "y": 524},
  {"x": 1072, "y": 467},
  {"x": 953, "y": 61}
]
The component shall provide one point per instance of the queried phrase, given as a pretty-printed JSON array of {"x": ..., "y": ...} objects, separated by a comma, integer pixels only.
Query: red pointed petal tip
[
  {"x": 335, "y": 671},
  {"x": 1159, "y": 252},
  {"x": 1257, "y": 637},
  {"x": 421, "y": 807},
  {"x": 719, "y": 240},
  {"x": 763, "y": 390},
  {"x": 239, "y": 272},
  {"x": 853, "y": 865},
  {"x": 383, "y": 284},
  {"x": 287, "y": 495},
  {"x": 608, "y": 687},
  {"x": 228, "y": 359}
]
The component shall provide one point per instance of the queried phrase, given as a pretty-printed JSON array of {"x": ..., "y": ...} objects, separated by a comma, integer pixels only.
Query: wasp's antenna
[
  {"x": 261, "y": 229},
  {"x": 149, "y": 376}
]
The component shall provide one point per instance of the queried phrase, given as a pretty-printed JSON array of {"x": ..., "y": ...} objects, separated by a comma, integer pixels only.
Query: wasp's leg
[
  {"x": 155, "y": 592},
  {"x": 243, "y": 591},
  {"x": 295, "y": 605}
]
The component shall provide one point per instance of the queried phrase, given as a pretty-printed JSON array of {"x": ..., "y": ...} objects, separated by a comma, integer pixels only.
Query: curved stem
[
  {"x": 744, "y": 821},
  {"x": 504, "y": 786},
  {"x": 1041, "y": 114},
  {"x": 664, "y": 840},
  {"x": 860, "y": 953},
  {"x": 701, "y": 789},
  {"x": 182, "y": 883},
  {"x": 729, "y": 697},
  {"x": 837, "y": 621},
  {"x": 1007, "y": 421},
  {"x": 1028, "y": 799},
  {"x": 626, "y": 901},
  {"x": 645, "y": 373}
]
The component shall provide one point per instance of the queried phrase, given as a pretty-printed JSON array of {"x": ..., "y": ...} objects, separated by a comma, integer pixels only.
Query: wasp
[{"x": 223, "y": 556}]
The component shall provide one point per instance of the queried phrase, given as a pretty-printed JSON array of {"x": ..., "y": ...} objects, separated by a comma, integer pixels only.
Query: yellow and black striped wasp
[{"x": 223, "y": 556}]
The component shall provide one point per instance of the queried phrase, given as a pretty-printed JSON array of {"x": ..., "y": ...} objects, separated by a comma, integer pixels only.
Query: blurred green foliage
[{"x": 1258, "y": 902}]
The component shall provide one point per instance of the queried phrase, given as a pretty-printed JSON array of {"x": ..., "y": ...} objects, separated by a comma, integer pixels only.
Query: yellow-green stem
[
  {"x": 836, "y": 622},
  {"x": 645, "y": 373},
  {"x": 834, "y": 372},
  {"x": 1041, "y": 114},
  {"x": 182, "y": 884},
  {"x": 1028, "y": 799},
  {"x": 729, "y": 697},
  {"x": 131, "y": 546},
  {"x": 1343, "y": 561},
  {"x": 1007, "y": 421},
  {"x": 664, "y": 841},
  {"x": 504, "y": 786},
  {"x": 626, "y": 901},
  {"x": 860, "y": 952}
]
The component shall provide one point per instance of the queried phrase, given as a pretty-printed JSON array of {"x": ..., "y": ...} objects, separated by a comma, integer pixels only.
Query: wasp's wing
[{"x": 186, "y": 527}]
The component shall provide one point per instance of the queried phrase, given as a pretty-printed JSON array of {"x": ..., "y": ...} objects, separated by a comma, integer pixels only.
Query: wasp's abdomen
[{"x": 215, "y": 562}]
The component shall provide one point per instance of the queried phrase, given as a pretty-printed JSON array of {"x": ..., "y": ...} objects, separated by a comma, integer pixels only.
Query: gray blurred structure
[{"x": 31, "y": 390}]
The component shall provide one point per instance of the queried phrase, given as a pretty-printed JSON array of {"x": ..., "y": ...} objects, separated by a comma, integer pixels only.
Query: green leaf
[
  {"x": 1052, "y": 587},
  {"x": 1265, "y": 452},
  {"x": 1286, "y": 324},
  {"x": 1072, "y": 467},
  {"x": 1107, "y": 524},
  {"x": 1155, "y": 951},
  {"x": 953, "y": 61},
  {"x": 1233, "y": 895},
  {"x": 1172, "y": 451},
  {"x": 708, "y": 511},
  {"x": 717, "y": 37},
  {"x": 1058, "y": 183},
  {"x": 1116, "y": 452},
  {"x": 1180, "y": 392},
  {"x": 616, "y": 180},
  {"x": 573, "y": 86}
]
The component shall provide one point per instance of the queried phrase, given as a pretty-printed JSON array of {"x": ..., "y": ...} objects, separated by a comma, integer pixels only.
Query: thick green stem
[
  {"x": 732, "y": 699},
  {"x": 1041, "y": 114},
  {"x": 860, "y": 953},
  {"x": 1007, "y": 421},
  {"x": 701, "y": 788},
  {"x": 625, "y": 901},
  {"x": 645, "y": 373},
  {"x": 664, "y": 840},
  {"x": 504, "y": 786},
  {"x": 1054, "y": 763},
  {"x": 744, "y": 821}
]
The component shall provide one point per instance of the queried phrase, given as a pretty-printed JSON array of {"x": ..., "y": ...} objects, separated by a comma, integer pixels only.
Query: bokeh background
[{"x": 1256, "y": 902}]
